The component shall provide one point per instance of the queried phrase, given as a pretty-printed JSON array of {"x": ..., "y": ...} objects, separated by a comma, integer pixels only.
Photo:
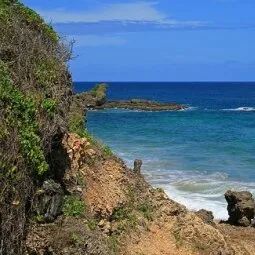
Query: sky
[{"x": 161, "y": 40}]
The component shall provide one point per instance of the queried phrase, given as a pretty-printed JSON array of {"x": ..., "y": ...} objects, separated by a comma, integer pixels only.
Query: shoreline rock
[{"x": 241, "y": 207}]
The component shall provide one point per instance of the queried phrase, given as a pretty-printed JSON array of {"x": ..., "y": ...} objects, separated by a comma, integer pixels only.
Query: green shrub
[
  {"x": 35, "y": 20},
  {"x": 99, "y": 90},
  {"x": 49, "y": 105},
  {"x": 73, "y": 206},
  {"x": 126, "y": 217},
  {"x": 107, "y": 151},
  {"x": 76, "y": 125},
  {"x": 46, "y": 71},
  {"x": 23, "y": 115}
]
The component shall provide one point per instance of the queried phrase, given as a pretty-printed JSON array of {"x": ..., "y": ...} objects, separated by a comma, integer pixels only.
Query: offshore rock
[{"x": 241, "y": 207}]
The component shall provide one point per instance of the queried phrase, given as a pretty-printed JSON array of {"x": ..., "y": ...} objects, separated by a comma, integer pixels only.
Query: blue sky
[{"x": 161, "y": 40}]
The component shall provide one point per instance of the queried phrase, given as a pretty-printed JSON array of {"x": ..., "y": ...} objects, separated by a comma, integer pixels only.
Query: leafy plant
[
  {"x": 73, "y": 206},
  {"x": 23, "y": 114},
  {"x": 49, "y": 105}
]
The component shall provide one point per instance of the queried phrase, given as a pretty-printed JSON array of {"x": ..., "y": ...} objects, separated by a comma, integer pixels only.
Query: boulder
[
  {"x": 206, "y": 216},
  {"x": 48, "y": 201},
  {"x": 137, "y": 166},
  {"x": 241, "y": 207}
]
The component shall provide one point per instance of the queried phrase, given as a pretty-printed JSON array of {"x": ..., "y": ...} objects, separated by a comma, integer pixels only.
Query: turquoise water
[{"x": 196, "y": 154}]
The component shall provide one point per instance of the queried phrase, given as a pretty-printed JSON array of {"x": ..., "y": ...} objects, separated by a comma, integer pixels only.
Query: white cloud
[
  {"x": 136, "y": 11},
  {"x": 116, "y": 18},
  {"x": 94, "y": 40}
]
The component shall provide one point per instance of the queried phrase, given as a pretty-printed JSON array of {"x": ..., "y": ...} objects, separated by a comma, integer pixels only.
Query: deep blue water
[{"x": 196, "y": 154}]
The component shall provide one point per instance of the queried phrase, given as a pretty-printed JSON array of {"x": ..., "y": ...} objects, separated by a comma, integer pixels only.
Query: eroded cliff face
[{"x": 123, "y": 214}]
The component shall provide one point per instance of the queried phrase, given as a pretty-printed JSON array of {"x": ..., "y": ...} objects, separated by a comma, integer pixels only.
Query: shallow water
[{"x": 196, "y": 154}]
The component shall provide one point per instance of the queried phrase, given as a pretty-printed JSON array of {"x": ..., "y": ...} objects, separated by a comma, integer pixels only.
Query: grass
[
  {"x": 92, "y": 224},
  {"x": 113, "y": 244},
  {"x": 147, "y": 210},
  {"x": 126, "y": 218}
]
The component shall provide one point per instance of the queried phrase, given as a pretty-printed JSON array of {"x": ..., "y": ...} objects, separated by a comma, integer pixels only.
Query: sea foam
[
  {"x": 244, "y": 108},
  {"x": 198, "y": 190}
]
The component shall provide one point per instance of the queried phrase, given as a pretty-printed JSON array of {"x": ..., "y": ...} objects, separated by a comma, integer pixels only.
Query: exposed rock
[
  {"x": 48, "y": 201},
  {"x": 241, "y": 207},
  {"x": 137, "y": 166},
  {"x": 96, "y": 97},
  {"x": 206, "y": 216},
  {"x": 143, "y": 105},
  {"x": 68, "y": 236}
]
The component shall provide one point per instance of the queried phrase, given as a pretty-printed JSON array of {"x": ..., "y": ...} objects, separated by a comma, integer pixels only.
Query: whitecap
[
  {"x": 198, "y": 190},
  {"x": 188, "y": 108},
  {"x": 244, "y": 108}
]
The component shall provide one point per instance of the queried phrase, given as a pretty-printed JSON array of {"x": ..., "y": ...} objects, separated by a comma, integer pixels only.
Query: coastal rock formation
[
  {"x": 143, "y": 105},
  {"x": 241, "y": 207},
  {"x": 96, "y": 99},
  {"x": 206, "y": 216},
  {"x": 137, "y": 166},
  {"x": 48, "y": 201}
]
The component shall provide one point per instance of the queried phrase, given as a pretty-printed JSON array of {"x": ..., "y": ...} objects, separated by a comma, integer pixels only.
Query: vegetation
[
  {"x": 147, "y": 210},
  {"x": 92, "y": 224},
  {"x": 99, "y": 90},
  {"x": 76, "y": 125},
  {"x": 73, "y": 206},
  {"x": 22, "y": 113},
  {"x": 35, "y": 97},
  {"x": 113, "y": 244}
]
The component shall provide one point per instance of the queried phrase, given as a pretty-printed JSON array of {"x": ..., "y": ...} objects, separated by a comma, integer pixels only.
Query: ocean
[{"x": 195, "y": 155}]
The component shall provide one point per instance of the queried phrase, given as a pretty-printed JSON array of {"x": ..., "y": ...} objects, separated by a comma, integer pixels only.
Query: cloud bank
[{"x": 115, "y": 18}]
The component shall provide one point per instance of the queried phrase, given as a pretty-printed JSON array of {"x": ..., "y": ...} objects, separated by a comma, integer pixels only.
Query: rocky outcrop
[
  {"x": 143, "y": 105},
  {"x": 125, "y": 215},
  {"x": 137, "y": 166},
  {"x": 48, "y": 201},
  {"x": 206, "y": 216},
  {"x": 97, "y": 99},
  {"x": 241, "y": 207}
]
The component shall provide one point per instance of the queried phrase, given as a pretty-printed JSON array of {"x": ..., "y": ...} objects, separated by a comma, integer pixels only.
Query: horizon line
[{"x": 165, "y": 81}]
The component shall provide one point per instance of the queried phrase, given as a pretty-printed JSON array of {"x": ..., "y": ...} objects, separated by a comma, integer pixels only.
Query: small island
[
  {"x": 143, "y": 105},
  {"x": 97, "y": 99}
]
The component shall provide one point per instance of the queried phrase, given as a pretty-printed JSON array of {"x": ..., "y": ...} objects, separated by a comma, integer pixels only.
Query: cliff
[{"x": 63, "y": 192}]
